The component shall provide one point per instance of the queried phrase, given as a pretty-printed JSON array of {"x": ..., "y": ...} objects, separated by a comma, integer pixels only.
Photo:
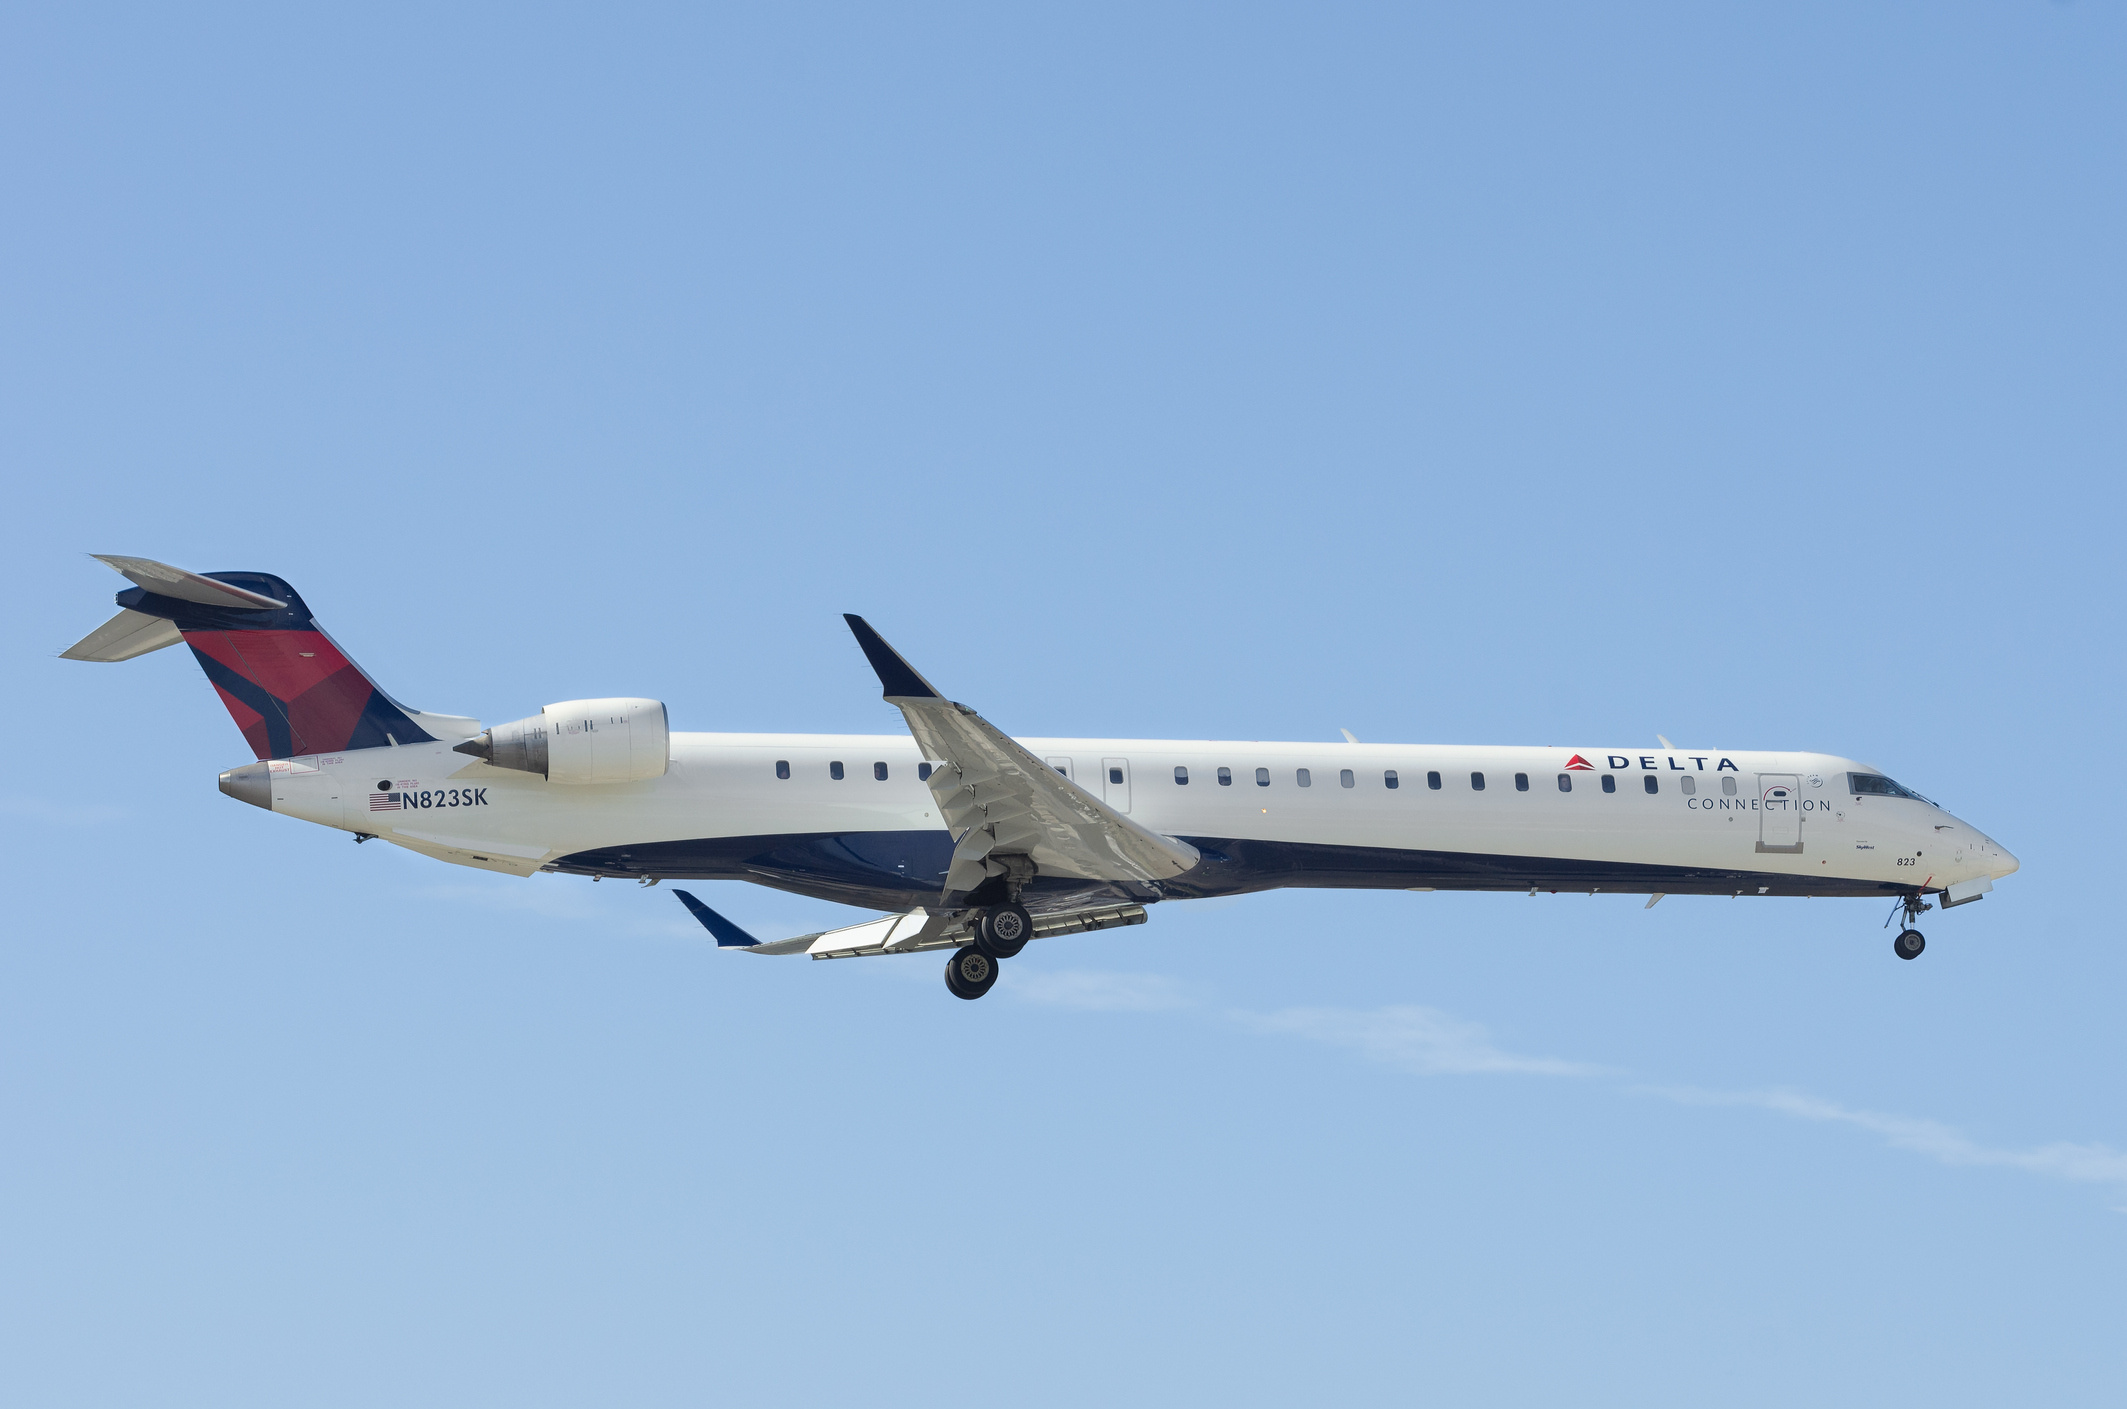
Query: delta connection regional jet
[{"x": 977, "y": 843}]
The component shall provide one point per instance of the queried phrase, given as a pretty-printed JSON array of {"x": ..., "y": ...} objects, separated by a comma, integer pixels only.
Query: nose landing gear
[{"x": 1910, "y": 942}]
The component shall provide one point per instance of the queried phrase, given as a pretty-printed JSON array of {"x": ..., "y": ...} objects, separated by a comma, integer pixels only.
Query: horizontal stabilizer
[
  {"x": 123, "y": 637},
  {"x": 166, "y": 581}
]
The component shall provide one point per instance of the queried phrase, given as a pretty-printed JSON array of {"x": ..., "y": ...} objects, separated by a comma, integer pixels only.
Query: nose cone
[
  {"x": 251, "y": 784},
  {"x": 2000, "y": 863}
]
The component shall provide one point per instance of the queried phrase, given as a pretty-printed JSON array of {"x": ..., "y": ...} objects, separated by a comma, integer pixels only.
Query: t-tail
[{"x": 289, "y": 688}]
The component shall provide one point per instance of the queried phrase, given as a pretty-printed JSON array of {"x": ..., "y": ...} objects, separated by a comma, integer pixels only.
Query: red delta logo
[{"x": 1579, "y": 764}]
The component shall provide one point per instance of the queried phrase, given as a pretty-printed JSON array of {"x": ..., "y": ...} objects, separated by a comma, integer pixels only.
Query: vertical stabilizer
[{"x": 288, "y": 686}]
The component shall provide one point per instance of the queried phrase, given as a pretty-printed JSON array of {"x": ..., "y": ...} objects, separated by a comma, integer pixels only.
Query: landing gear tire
[
  {"x": 1909, "y": 944},
  {"x": 970, "y": 973},
  {"x": 1004, "y": 931}
]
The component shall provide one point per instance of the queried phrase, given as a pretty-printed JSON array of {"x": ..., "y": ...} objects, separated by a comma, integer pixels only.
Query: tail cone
[{"x": 251, "y": 784}]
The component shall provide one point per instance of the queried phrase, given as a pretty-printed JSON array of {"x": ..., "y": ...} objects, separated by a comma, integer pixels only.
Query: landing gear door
[
  {"x": 1780, "y": 813},
  {"x": 1115, "y": 783}
]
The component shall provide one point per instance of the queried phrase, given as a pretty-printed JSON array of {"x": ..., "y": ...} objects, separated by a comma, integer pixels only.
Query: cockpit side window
[{"x": 1876, "y": 785}]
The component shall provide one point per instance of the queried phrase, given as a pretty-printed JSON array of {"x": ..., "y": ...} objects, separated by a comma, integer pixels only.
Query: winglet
[
  {"x": 897, "y": 677},
  {"x": 728, "y": 935}
]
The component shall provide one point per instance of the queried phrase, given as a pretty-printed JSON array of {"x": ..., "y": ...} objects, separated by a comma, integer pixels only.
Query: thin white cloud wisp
[
  {"x": 1428, "y": 1042},
  {"x": 1094, "y": 991},
  {"x": 1416, "y": 1039},
  {"x": 2087, "y": 1164}
]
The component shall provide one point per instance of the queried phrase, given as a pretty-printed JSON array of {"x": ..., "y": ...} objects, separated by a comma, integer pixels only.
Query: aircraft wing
[
  {"x": 898, "y": 934},
  {"x": 1001, "y": 803}
]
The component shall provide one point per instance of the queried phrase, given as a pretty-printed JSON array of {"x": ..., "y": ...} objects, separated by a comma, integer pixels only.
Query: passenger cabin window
[
  {"x": 1345, "y": 778},
  {"x": 1262, "y": 777},
  {"x": 1388, "y": 779},
  {"x": 923, "y": 772},
  {"x": 1181, "y": 776},
  {"x": 1609, "y": 783},
  {"x": 1565, "y": 782},
  {"x": 1432, "y": 780},
  {"x": 1688, "y": 785},
  {"x": 782, "y": 768},
  {"x": 1651, "y": 783},
  {"x": 834, "y": 770},
  {"x": 878, "y": 770},
  {"x": 1225, "y": 777},
  {"x": 1876, "y": 785},
  {"x": 1477, "y": 782},
  {"x": 1303, "y": 777},
  {"x": 1115, "y": 775},
  {"x": 1521, "y": 782},
  {"x": 1728, "y": 787}
]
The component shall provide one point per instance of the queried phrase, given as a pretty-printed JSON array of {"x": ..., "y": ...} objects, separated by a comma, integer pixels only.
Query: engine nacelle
[{"x": 582, "y": 741}]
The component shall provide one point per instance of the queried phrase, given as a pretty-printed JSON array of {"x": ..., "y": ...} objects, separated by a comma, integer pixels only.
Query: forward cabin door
[
  {"x": 1779, "y": 812},
  {"x": 1115, "y": 783}
]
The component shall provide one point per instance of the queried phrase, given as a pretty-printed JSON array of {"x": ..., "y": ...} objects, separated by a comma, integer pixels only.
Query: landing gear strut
[
  {"x": 1910, "y": 941},
  {"x": 1004, "y": 930},
  {"x": 970, "y": 973}
]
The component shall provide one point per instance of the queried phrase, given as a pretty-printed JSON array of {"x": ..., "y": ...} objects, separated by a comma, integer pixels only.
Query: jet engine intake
[{"x": 582, "y": 741}]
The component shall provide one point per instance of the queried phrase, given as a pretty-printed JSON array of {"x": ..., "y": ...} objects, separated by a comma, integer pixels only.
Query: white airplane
[{"x": 976, "y": 842}]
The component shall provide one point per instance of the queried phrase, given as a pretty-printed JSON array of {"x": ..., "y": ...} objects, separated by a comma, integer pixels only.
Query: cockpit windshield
[{"x": 1876, "y": 785}]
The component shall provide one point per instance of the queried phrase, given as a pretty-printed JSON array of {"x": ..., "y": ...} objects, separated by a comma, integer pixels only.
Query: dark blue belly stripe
[{"x": 901, "y": 870}]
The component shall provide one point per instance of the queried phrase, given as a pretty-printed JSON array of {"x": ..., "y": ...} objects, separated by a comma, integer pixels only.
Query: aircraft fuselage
[{"x": 847, "y": 817}]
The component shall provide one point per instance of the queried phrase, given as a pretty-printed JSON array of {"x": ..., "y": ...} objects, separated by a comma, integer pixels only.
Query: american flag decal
[{"x": 383, "y": 802}]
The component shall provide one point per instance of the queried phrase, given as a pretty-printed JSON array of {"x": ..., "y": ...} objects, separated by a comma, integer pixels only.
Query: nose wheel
[
  {"x": 1910, "y": 941},
  {"x": 970, "y": 973}
]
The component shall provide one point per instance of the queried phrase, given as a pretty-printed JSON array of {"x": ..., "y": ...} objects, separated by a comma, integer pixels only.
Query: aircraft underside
[{"x": 901, "y": 869}]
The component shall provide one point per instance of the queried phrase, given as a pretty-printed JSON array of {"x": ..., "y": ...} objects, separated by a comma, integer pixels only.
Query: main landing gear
[
  {"x": 1001, "y": 933},
  {"x": 970, "y": 973},
  {"x": 1910, "y": 942},
  {"x": 1004, "y": 930}
]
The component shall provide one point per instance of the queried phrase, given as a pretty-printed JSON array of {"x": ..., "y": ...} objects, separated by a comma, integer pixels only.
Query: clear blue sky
[{"x": 1546, "y": 375}]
